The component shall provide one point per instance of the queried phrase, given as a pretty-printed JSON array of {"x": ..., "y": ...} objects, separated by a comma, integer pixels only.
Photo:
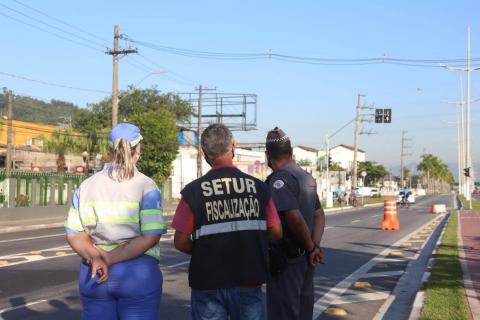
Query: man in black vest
[
  {"x": 294, "y": 191},
  {"x": 224, "y": 220}
]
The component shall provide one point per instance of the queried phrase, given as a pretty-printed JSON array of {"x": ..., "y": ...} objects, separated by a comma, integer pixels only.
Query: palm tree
[{"x": 62, "y": 142}]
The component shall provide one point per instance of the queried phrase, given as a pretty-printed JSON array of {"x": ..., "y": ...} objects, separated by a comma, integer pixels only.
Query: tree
[
  {"x": 375, "y": 172},
  {"x": 62, "y": 142},
  {"x": 304, "y": 162},
  {"x": 160, "y": 144},
  {"x": 335, "y": 166},
  {"x": 435, "y": 173},
  {"x": 156, "y": 114}
]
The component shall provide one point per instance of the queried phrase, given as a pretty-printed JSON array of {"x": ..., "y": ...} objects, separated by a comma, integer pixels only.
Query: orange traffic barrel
[{"x": 390, "y": 217}]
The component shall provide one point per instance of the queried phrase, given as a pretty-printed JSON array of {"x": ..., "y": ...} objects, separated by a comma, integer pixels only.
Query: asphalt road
[{"x": 38, "y": 272}]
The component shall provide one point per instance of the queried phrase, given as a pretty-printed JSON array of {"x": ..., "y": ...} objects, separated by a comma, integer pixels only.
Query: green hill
[{"x": 38, "y": 111}]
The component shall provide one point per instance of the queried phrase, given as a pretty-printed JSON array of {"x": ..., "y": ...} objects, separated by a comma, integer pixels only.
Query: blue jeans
[
  {"x": 239, "y": 303},
  {"x": 133, "y": 291}
]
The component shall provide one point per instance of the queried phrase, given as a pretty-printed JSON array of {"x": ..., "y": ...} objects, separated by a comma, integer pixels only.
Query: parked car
[
  {"x": 374, "y": 192},
  {"x": 476, "y": 191}
]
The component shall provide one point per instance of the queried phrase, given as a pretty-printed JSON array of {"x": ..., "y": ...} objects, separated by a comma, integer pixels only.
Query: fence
[{"x": 30, "y": 189}]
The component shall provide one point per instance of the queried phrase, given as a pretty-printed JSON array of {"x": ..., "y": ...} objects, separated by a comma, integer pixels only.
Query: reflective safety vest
[
  {"x": 230, "y": 238},
  {"x": 113, "y": 212}
]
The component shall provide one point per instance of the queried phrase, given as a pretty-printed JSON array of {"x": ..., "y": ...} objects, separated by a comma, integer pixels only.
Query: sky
[{"x": 306, "y": 101}]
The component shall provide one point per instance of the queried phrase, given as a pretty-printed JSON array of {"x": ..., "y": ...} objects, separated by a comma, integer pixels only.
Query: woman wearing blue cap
[{"x": 114, "y": 224}]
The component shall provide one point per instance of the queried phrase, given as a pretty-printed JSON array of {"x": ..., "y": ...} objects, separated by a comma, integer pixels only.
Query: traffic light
[
  {"x": 329, "y": 161},
  {"x": 466, "y": 172},
  {"x": 378, "y": 115},
  {"x": 387, "y": 115}
]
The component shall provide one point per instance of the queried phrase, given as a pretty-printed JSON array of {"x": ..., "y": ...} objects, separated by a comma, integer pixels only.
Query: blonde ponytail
[{"x": 122, "y": 164}]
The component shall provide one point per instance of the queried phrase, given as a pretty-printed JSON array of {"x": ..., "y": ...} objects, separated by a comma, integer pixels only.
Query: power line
[
  {"x": 209, "y": 55},
  {"x": 61, "y": 21},
  {"x": 49, "y": 25},
  {"x": 50, "y": 32},
  {"x": 52, "y": 83}
]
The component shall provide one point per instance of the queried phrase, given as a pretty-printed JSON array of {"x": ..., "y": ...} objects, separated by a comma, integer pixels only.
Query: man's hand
[{"x": 315, "y": 257}]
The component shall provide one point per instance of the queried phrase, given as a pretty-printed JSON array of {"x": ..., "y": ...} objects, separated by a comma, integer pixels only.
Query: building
[
  {"x": 26, "y": 133},
  {"x": 28, "y": 149},
  {"x": 306, "y": 157},
  {"x": 184, "y": 166},
  {"x": 343, "y": 155}
]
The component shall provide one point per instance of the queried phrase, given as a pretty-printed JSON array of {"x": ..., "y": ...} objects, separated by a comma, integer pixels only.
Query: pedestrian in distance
[
  {"x": 115, "y": 223},
  {"x": 294, "y": 192},
  {"x": 224, "y": 221}
]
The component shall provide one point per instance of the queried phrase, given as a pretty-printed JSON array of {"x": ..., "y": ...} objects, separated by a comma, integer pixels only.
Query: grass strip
[
  {"x": 445, "y": 295},
  {"x": 475, "y": 203}
]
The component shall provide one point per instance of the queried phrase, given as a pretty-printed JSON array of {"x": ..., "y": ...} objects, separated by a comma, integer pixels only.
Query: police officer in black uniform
[
  {"x": 294, "y": 191},
  {"x": 224, "y": 220}
]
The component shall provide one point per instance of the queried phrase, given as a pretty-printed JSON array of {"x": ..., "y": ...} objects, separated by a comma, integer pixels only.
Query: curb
[
  {"x": 49, "y": 225},
  {"x": 420, "y": 296}
]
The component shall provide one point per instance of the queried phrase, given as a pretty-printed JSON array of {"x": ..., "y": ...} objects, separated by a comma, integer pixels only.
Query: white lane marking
[
  {"x": 383, "y": 274},
  {"x": 21, "y": 306},
  {"x": 355, "y": 221},
  {"x": 326, "y": 228},
  {"x": 326, "y": 300},
  {"x": 177, "y": 264},
  {"x": 32, "y": 238},
  {"x": 352, "y": 298},
  {"x": 18, "y": 255},
  {"x": 376, "y": 215}
]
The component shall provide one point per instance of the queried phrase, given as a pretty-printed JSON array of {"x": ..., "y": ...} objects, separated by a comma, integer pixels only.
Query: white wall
[
  {"x": 185, "y": 166},
  {"x": 344, "y": 157},
  {"x": 301, "y": 154}
]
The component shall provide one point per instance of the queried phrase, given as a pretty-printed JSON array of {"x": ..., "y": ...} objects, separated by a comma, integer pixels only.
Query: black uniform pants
[{"x": 290, "y": 294}]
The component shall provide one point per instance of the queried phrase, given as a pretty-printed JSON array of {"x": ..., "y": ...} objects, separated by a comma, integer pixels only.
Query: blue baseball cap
[{"x": 126, "y": 131}]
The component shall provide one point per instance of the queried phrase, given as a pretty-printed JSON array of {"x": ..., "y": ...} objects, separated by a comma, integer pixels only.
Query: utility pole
[
  {"x": 357, "y": 133},
  {"x": 355, "y": 140},
  {"x": 468, "y": 142},
  {"x": 463, "y": 159},
  {"x": 199, "y": 132},
  {"x": 403, "y": 154},
  {"x": 8, "y": 161},
  {"x": 115, "y": 53}
]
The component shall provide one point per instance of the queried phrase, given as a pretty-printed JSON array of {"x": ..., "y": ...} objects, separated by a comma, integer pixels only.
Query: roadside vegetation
[
  {"x": 475, "y": 203},
  {"x": 445, "y": 295}
]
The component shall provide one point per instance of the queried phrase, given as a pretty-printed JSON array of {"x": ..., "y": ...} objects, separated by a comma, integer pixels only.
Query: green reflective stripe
[
  {"x": 73, "y": 210},
  {"x": 153, "y": 255},
  {"x": 108, "y": 246},
  {"x": 153, "y": 226},
  {"x": 154, "y": 252},
  {"x": 74, "y": 226},
  {"x": 151, "y": 211},
  {"x": 110, "y": 219},
  {"x": 111, "y": 204}
]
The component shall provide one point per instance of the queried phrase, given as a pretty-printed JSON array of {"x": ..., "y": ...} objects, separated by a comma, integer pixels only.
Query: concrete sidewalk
[{"x": 469, "y": 247}]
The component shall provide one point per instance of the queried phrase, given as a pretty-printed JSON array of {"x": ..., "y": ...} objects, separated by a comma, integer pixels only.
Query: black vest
[{"x": 230, "y": 245}]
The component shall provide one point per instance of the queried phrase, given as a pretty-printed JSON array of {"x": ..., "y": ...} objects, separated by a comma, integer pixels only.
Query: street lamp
[
  {"x": 329, "y": 199},
  {"x": 468, "y": 155},
  {"x": 151, "y": 74}
]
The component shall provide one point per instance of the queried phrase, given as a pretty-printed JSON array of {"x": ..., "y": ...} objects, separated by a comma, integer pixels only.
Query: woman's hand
[
  {"x": 105, "y": 255},
  {"x": 100, "y": 267}
]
